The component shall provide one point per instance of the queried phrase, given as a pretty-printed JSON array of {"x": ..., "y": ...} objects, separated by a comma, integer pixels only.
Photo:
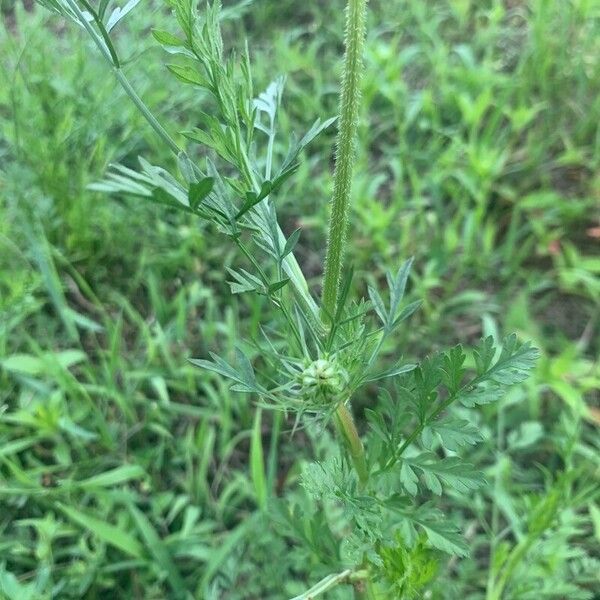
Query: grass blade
[
  {"x": 108, "y": 533},
  {"x": 158, "y": 551}
]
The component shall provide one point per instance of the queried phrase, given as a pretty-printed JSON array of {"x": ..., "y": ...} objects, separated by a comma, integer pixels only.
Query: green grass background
[{"x": 124, "y": 471}]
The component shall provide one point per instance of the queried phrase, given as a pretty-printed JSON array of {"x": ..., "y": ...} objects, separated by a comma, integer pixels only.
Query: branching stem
[
  {"x": 104, "y": 44},
  {"x": 103, "y": 41}
]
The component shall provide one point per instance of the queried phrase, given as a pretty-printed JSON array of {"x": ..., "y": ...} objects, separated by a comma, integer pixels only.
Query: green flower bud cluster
[{"x": 323, "y": 381}]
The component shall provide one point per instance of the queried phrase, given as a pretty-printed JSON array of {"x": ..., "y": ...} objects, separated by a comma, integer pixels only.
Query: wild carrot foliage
[{"x": 374, "y": 511}]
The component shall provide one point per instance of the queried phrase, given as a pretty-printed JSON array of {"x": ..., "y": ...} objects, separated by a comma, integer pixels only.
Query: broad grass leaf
[
  {"x": 110, "y": 534},
  {"x": 116, "y": 476},
  {"x": 159, "y": 551}
]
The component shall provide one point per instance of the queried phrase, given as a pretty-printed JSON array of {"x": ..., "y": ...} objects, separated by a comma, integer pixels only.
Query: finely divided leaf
[
  {"x": 397, "y": 287},
  {"x": 378, "y": 305},
  {"x": 118, "y": 14},
  {"x": 441, "y": 532},
  {"x": 245, "y": 282},
  {"x": 241, "y": 374},
  {"x": 315, "y": 130},
  {"x": 481, "y": 394},
  {"x": 408, "y": 478},
  {"x": 484, "y": 354},
  {"x": 515, "y": 362},
  {"x": 407, "y": 312},
  {"x": 453, "y": 434},
  {"x": 452, "y": 368},
  {"x": 296, "y": 147},
  {"x": 268, "y": 102},
  {"x": 451, "y": 471},
  {"x": 199, "y": 191},
  {"x": 153, "y": 183},
  {"x": 290, "y": 244},
  {"x": 445, "y": 537},
  {"x": 398, "y": 369}
]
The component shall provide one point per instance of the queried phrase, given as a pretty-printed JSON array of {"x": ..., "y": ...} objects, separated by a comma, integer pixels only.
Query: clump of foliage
[{"x": 318, "y": 354}]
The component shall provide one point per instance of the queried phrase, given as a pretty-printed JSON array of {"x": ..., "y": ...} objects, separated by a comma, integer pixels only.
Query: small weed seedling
[{"x": 319, "y": 355}]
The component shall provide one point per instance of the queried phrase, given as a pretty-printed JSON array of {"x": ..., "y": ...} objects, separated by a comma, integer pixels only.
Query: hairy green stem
[
  {"x": 351, "y": 439},
  {"x": 356, "y": 11}
]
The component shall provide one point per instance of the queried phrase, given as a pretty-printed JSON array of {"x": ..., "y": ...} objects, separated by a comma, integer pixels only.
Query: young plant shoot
[{"x": 319, "y": 354}]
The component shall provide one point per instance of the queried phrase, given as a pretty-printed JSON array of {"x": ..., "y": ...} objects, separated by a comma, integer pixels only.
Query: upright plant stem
[
  {"x": 356, "y": 11},
  {"x": 352, "y": 440},
  {"x": 356, "y": 14}
]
